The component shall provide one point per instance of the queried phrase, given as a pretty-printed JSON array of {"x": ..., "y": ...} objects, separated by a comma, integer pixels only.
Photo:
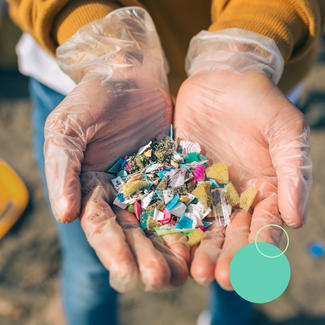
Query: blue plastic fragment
[
  {"x": 116, "y": 167},
  {"x": 317, "y": 250},
  {"x": 123, "y": 163},
  {"x": 160, "y": 195},
  {"x": 122, "y": 173},
  {"x": 213, "y": 182},
  {"x": 173, "y": 202},
  {"x": 149, "y": 186},
  {"x": 184, "y": 222},
  {"x": 162, "y": 173},
  {"x": 206, "y": 224},
  {"x": 119, "y": 196},
  {"x": 171, "y": 132}
]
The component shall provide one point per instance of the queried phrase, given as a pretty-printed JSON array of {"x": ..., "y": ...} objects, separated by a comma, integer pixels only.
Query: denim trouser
[{"x": 88, "y": 299}]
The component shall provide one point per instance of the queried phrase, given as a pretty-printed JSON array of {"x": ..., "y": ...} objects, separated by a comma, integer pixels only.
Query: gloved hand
[
  {"x": 120, "y": 103},
  {"x": 232, "y": 107}
]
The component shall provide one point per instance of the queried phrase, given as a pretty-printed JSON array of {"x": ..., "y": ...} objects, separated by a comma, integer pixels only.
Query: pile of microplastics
[{"x": 170, "y": 189}]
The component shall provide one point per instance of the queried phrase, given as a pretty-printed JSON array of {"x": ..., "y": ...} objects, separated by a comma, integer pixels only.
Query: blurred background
[{"x": 30, "y": 252}]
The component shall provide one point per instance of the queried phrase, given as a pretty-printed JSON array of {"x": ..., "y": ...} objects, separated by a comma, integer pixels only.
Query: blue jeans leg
[
  {"x": 88, "y": 298},
  {"x": 227, "y": 308}
]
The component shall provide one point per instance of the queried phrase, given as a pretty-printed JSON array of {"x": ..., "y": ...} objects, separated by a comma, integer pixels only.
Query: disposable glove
[
  {"x": 121, "y": 101},
  {"x": 232, "y": 107}
]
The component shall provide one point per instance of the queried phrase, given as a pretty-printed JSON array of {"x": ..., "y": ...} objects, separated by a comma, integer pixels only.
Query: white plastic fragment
[
  {"x": 144, "y": 148},
  {"x": 168, "y": 195},
  {"x": 199, "y": 210},
  {"x": 177, "y": 157},
  {"x": 153, "y": 168},
  {"x": 189, "y": 146},
  {"x": 158, "y": 215},
  {"x": 196, "y": 219},
  {"x": 118, "y": 183},
  {"x": 176, "y": 177},
  {"x": 146, "y": 199},
  {"x": 179, "y": 209},
  {"x": 119, "y": 203}
]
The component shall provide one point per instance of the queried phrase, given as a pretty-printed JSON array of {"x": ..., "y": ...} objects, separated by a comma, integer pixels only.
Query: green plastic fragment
[
  {"x": 194, "y": 156},
  {"x": 164, "y": 231},
  {"x": 143, "y": 219},
  {"x": 131, "y": 208},
  {"x": 191, "y": 156}
]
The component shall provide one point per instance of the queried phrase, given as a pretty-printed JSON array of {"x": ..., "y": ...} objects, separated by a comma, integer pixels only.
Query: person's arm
[
  {"x": 52, "y": 22},
  {"x": 294, "y": 25}
]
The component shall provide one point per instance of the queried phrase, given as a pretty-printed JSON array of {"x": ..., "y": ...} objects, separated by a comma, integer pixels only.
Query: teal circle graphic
[
  {"x": 272, "y": 256},
  {"x": 257, "y": 278}
]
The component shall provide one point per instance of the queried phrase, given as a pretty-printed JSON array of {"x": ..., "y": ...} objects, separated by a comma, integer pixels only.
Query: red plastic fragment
[
  {"x": 202, "y": 228},
  {"x": 137, "y": 209},
  {"x": 167, "y": 217}
]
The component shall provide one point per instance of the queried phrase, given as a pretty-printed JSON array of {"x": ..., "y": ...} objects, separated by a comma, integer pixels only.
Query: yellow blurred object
[{"x": 13, "y": 197}]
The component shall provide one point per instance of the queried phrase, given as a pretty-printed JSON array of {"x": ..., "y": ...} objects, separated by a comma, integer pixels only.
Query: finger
[
  {"x": 63, "y": 153},
  {"x": 153, "y": 268},
  {"x": 206, "y": 255},
  {"x": 107, "y": 238},
  {"x": 177, "y": 265},
  {"x": 236, "y": 237},
  {"x": 178, "y": 244},
  {"x": 289, "y": 148},
  {"x": 265, "y": 213}
]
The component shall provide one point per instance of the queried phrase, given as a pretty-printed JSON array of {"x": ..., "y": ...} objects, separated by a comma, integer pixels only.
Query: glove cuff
[
  {"x": 125, "y": 38},
  {"x": 234, "y": 49}
]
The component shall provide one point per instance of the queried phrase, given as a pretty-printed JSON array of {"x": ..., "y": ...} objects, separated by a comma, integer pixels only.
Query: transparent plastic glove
[
  {"x": 120, "y": 103},
  {"x": 242, "y": 118}
]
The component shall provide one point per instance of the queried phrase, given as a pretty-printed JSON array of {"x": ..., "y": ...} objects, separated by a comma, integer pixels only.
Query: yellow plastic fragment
[
  {"x": 162, "y": 184},
  {"x": 152, "y": 224},
  {"x": 148, "y": 153},
  {"x": 203, "y": 194},
  {"x": 219, "y": 172},
  {"x": 232, "y": 195},
  {"x": 184, "y": 198},
  {"x": 133, "y": 187},
  {"x": 136, "y": 177},
  {"x": 247, "y": 198},
  {"x": 174, "y": 164},
  {"x": 195, "y": 237}
]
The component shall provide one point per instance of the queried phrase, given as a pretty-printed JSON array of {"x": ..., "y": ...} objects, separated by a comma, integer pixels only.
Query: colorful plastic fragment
[
  {"x": 184, "y": 223},
  {"x": 199, "y": 173},
  {"x": 189, "y": 146},
  {"x": 169, "y": 189},
  {"x": 133, "y": 187},
  {"x": 203, "y": 193},
  {"x": 232, "y": 195},
  {"x": 137, "y": 209},
  {"x": 247, "y": 198},
  {"x": 219, "y": 172},
  {"x": 152, "y": 224},
  {"x": 195, "y": 237}
]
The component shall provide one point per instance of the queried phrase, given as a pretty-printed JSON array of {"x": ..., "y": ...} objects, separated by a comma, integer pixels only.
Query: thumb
[
  {"x": 63, "y": 153},
  {"x": 289, "y": 149}
]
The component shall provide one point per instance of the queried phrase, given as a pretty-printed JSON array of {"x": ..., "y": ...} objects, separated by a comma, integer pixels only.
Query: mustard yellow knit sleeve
[
  {"x": 51, "y": 22},
  {"x": 295, "y": 26}
]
